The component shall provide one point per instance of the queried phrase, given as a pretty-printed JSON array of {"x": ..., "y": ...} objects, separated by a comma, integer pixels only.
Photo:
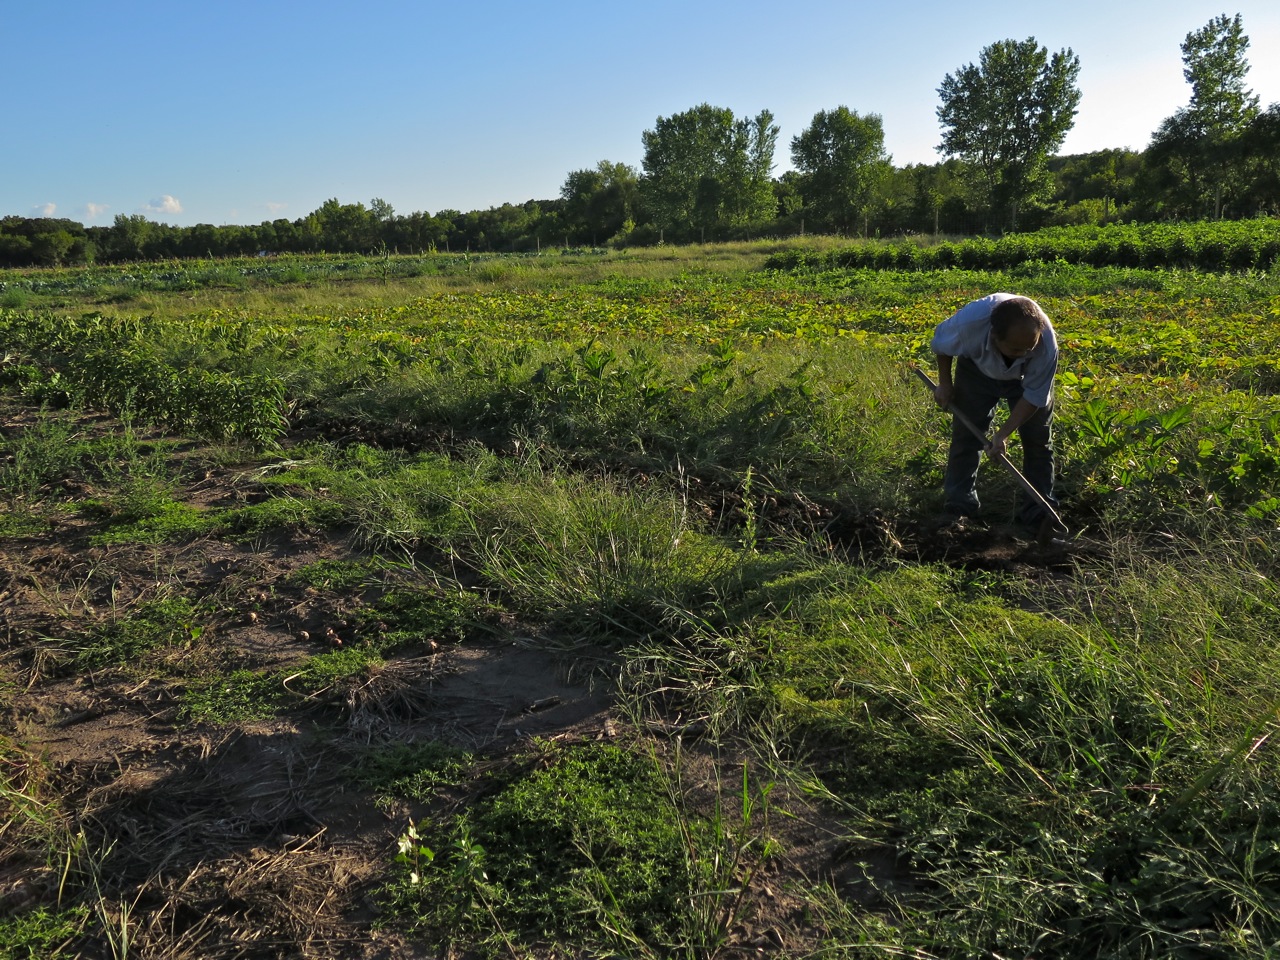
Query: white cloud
[
  {"x": 274, "y": 206},
  {"x": 94, "y": 210},
  {"x": 165, "y": 205},
  {"x": 45, "y": 209}
]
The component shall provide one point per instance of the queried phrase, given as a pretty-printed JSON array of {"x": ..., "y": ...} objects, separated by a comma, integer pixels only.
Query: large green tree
[
  {"x": 1007, "y": 114},
  {"x": 1200, "y": 150},
  {"x": 131, "y": 237},
  {"x": 1094, "y": 187},
  {"x": 707, "y": 173},
  {"x": 842, "y": 160},
  {"x": 1261, "y": 151},
  {"x": 343, "y": 227},
  {"x": 599, "y": 203}
]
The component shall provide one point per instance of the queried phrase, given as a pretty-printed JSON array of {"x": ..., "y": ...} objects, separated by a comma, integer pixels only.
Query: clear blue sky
[{"x": 238, "y": 112}]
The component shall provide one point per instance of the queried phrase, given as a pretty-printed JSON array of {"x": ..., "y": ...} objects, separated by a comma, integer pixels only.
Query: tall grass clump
[
  {"x": 1079, "y": 788},
  {"x": 1095, "y": 782},
  {"x": 599, "y": 557}
]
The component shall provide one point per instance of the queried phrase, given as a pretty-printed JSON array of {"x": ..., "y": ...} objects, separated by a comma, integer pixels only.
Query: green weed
[
  {"x": 723, "y": 850},
  {"x": 594, "y": 845},
  {"x": 345, "y": 679},
  {"x": 40, "y": 932},
  {"x": 522, "y": 856},
  {"x": 21, "y": 522},
  {"x": 242, "y": 696},
  {"x": 338, "y": 576},
  {"x": 413, "y": 771},
  {"x": 405, "y": 618},
  {"x": 327, "y": 669},
  {"x": 151, "y": 517},
  {"x": 393, "y": 501},
  {"x": 49, "y": 451},
  {"x": 281, "y": 513},
  {"x": 156, "y": 624},
  {"x": 14, "y": 298}
]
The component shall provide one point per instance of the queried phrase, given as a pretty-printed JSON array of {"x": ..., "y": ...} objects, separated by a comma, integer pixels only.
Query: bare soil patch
[{"x": 251, "y": 839}]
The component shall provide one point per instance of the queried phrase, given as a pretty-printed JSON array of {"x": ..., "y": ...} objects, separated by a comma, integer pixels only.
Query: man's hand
[{"x": 1022, "y": 412}]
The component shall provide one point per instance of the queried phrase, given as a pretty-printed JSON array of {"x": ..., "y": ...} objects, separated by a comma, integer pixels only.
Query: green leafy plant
[
  {"x": 241, "y": 696},
  {"x": 156, "y": 624},
  {"x": 40, "y": 932},
  {"x": 405, "y": 617},
  {"x": 46, "y": 452},
  {"x": 723, "y": 851},
  {"x": 513, "y": 864},
  {"x": 413, "y": 771}
]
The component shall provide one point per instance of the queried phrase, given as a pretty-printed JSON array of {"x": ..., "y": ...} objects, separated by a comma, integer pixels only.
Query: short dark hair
[{"x": 1021, "y": 312}]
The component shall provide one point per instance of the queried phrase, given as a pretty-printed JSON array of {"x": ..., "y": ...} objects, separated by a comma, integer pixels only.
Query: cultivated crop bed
[{"x": 594, "y": 605}]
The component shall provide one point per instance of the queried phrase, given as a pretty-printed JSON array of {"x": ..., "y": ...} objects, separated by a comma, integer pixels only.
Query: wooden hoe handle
[{"x": 1004, "y": 460}]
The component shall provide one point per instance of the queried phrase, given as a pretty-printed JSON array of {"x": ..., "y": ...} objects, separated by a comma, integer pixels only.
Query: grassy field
[{"x": 593, "y": 604}]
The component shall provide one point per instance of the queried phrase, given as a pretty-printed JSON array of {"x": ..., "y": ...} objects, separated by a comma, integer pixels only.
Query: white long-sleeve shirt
[{"x": 967, "y": 333}]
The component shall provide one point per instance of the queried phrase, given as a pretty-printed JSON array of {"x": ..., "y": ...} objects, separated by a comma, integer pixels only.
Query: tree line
[{"x": 707, "y": 175}]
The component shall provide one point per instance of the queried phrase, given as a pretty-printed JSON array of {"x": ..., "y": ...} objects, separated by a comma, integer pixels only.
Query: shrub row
[{"x": 1212, "y": 246}]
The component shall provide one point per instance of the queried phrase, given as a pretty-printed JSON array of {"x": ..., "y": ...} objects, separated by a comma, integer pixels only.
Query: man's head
[{"x": 1016, "y": 326}]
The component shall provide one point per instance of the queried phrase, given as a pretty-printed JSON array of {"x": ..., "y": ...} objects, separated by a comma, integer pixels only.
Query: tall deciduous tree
[
  {"x": 1262, "y": 155},
  {"x": 598, "y": 203},
  {"x": 130, "y": 236},
  {"x": 1215, "y": 66},
  {"x": 707, "y": 171},
  {"x": 381, "y": 211},
  {"x": 343, "y": 227},
  {"x": 842, "y": 158},
  {"x": 1008, "y": 114},
  {"x": 1200, "y": 146}
]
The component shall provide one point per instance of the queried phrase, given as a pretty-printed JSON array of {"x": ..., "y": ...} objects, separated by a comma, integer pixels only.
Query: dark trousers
[{"x": 976, "y": 396}]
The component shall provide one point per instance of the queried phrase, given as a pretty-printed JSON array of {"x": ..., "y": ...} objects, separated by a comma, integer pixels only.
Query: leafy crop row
[
  {"x": 235, "y": 272},
  {"x": 1226, "y": 245},
  {"x": 786, "y": 375},
  {"x": 114, "y": 365}
]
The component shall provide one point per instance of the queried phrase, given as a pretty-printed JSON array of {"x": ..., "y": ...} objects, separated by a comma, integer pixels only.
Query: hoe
[{"x": 1052, "y": 527}]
